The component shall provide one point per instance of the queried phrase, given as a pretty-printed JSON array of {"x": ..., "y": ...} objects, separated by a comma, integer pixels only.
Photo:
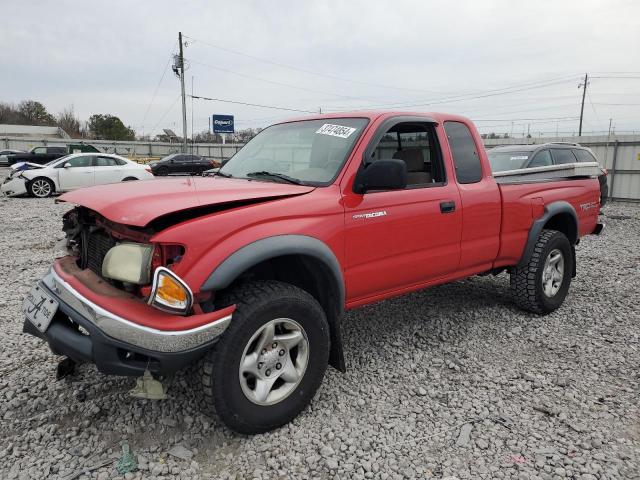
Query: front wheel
[
  {"x": 542, "y": 284},
  {"x": 270, "y": 361},
  {"x": 41, "y": 187}
]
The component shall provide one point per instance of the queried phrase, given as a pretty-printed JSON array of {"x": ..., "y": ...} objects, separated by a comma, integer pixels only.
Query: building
[{"x": 29, "y": 131}]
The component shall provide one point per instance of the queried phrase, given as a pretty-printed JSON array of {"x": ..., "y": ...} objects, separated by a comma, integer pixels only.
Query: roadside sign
[{"x": 222, "y": 123}]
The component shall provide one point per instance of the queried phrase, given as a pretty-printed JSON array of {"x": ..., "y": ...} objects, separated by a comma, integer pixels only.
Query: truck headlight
[
  {"x": 170, "y": 293},
  {"x": 128, "y": 262}
]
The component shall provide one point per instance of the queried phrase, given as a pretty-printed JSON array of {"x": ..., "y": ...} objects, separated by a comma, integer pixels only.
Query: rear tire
[
  {"x": 266, "y": 367},
  {"x": 41, "y": 187},
  {"x": 129, "y": 179},
  {"x": 542, "y": 284}
]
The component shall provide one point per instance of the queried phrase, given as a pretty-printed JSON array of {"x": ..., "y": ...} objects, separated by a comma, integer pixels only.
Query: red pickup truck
[{"x": 247, "y": 273}]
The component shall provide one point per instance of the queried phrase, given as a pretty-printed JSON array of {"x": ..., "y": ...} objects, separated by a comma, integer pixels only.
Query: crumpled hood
[
  {"x": 139, "y": 203},
  {"x": 22, "y": 166}
]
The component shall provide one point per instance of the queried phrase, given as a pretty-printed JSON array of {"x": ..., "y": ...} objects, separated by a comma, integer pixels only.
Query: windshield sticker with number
[{"x": 335, "y": 130}]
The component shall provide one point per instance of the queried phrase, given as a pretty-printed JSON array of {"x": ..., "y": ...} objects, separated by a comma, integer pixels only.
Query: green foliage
[
  {"x": 109, "y": 127},
  {"x": 35, "y": 113}
]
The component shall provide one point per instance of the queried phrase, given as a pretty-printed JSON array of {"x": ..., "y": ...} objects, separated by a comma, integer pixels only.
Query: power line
[
  {"x": 460, "y": 98},
  {"x": 251, "y": 104},
  {"x": 274, "y": 82},
  {"x": 164, "y": 72},
  {"x": 303, "y": 70},
  {"x": 165, "y": 114}
]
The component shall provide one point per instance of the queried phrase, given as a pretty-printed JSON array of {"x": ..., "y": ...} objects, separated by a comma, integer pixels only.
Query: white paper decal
[{"x": 335, "y": 130}]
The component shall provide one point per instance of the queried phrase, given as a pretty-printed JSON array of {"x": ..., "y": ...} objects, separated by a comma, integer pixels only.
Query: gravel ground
[{"x": 453, "y": 382}]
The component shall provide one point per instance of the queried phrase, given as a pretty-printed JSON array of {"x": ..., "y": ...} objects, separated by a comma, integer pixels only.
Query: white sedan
[{"x": 70, "y": 172}]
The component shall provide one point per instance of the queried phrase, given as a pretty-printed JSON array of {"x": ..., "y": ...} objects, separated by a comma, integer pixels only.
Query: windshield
[
  {"x": 310, "y": 151},
  {"x": 53, "y": 162},
  {"x": 503, "y": 161}
]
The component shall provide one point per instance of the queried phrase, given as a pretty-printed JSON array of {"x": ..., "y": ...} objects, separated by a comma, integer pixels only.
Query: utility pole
[
  {"x": 192, "y": 144},
  {"x": 584, "y": 93},
  {"x": 184, "y": 102}
]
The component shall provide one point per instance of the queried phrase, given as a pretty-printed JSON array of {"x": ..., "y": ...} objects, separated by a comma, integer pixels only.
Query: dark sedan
[{"x": 182, "y": 163}]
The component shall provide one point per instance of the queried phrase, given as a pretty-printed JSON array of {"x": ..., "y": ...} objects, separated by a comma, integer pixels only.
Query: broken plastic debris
[
  {"x": 148, "y": 387},
  {"x": 127, "y": 462}
]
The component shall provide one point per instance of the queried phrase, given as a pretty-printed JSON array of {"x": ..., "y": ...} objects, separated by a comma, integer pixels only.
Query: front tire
[
  {"x": 41, "y": 187},
  {"x": 542, "y": 284},
  {"x": 267, "y": 366}
]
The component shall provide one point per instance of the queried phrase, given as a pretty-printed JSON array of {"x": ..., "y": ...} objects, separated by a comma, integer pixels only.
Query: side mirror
[
  {"x": 67, "y": 165},
  {"x": 381, "y": 175}
]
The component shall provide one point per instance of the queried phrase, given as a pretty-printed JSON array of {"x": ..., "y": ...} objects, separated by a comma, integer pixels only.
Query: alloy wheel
[
  {"x": 41, "y": 188},
  {"x": 553, "y": 272},
  {"x": 274, "y": 361}
]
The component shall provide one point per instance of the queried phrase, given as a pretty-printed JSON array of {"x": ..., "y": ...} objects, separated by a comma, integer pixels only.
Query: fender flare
[
  {"x": 277, "y": 246},
  {"x": 551, "y": 210}
]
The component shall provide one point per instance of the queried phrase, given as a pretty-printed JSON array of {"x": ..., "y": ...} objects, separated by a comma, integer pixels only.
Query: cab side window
[
  {"x": 464, "y": 152},
  {"x": 415, "y": 144},
  {"x": 541, "y": 159}
]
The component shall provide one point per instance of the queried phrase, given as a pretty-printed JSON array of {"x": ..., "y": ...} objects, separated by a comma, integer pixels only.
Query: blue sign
[{"x": 222, "y": 123}]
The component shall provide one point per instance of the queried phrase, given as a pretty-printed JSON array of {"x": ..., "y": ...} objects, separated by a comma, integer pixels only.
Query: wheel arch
[
  {"x": 300, "y": 260},
  {"x": 54, "y": 184},
  {"x": 560, "y": 216}
]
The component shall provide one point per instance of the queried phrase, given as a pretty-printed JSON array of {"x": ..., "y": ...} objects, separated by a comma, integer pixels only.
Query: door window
[
  {"x": 542, "y": 159},
  {"x": 464, "y": 152},
  {"x": 415, "y": 145},
  {"x": 39, "y": 150},
  {"x": 105, "y": 162},
  {"x": 584, "y": 156},
  {"x": 77, "y": 162},
  {"x": 563, "y": 156}
]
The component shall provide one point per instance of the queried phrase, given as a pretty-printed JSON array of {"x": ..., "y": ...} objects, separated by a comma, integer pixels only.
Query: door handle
[{"x": 448, "y": 206}]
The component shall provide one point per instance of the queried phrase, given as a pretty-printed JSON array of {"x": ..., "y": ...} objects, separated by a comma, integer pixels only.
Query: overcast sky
[{"x": 109, "y": 57}]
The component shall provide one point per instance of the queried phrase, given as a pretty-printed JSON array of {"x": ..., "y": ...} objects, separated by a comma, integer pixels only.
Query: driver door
[
  {"x": 77, "y": 172},
  {"x": 399, "y": 239}
]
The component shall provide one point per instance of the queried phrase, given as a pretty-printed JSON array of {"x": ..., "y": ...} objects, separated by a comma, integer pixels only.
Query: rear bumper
[{"x": 118, "y": 345}]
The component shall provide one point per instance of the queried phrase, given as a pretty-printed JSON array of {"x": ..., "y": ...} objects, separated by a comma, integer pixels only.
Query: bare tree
[{"x": 69, "y": 122}]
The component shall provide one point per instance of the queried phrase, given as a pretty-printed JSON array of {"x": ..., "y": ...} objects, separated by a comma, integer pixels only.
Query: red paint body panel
[
  {"x": 138, "y": 203},
  {"x": 412, "y": 245}
]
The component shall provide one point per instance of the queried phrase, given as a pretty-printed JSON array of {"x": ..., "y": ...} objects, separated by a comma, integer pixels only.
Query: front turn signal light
[{"x": 170, "y": 293}]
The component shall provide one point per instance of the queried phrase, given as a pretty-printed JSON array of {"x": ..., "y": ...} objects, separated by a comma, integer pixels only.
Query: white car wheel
[{"x": 41, "y": 187}]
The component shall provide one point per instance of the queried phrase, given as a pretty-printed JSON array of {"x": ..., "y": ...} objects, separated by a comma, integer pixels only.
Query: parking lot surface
[{"x": 449, "y": 382}]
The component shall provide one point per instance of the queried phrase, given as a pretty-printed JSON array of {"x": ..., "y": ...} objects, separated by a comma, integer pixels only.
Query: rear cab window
[{"x": 464, "y": 152}]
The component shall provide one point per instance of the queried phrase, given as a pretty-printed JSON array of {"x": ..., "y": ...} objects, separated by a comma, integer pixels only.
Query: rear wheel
[
  {"x": 270, "y": 361},
  {"x": 129, "y": 179},
  {"x": 542, "y": 284},
  {"x": 41, "y": 187}
]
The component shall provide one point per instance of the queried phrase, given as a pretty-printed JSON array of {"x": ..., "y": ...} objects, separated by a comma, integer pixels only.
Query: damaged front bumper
[
  {"x": 85, "y": 331},
  {"x": 14, "y": 187}
]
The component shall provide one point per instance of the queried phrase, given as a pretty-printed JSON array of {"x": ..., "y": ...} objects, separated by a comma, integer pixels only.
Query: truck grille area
[{"x": 96, "y": 244}]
